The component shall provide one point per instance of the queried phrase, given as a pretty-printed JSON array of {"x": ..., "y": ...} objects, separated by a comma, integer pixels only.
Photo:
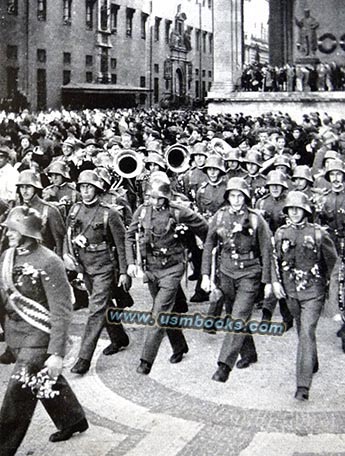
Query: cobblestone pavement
[{"x": 179, "y": 410}]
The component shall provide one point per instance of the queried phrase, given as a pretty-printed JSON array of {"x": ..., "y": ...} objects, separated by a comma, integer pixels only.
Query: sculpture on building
[{"x": 307, "y": 38}]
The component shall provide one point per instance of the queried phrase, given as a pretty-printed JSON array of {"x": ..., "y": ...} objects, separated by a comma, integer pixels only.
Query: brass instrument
[
  {"x": 128, "y": 163},
  {"x": 220, "y": 147},
  {"x": 177, "y": 158}
]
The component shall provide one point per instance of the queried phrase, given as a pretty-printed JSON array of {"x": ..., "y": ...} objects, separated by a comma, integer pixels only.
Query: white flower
[{"x": 237, "y": 227}]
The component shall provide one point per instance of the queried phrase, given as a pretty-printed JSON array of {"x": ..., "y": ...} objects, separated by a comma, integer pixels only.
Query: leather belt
[
  {"x": 243, "y": 256},
  {"x": 97, "y": 247}
]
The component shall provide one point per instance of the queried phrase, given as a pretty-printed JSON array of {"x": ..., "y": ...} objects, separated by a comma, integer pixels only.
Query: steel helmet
[
  {"x": 159, "y": 188},
  {"x": 154, "y": 157},
  {"x": 232, "y": 155},
  {"x": 303, "y": 172},
  {"x": 237, "y": 183},
  {"x": 330, "y": 154},
  {"x": 159, "y": 176},
  {"x": 334, "y": 165},
  {"x": 215, "y": 161},
  {"x": 29, "y": 177},
  {"x": 26, "y": 220},
  {"x": 103, "y": 174},
  {"x": 253, "y": 156},
  {"x": 90, "y": 177},
  {"x": 59, "y": 167},
  {"x": 277, "y": 177},
  {"x": 282, "y": 160},
  {"x": 297, "y": 199},
  {"x": 199, "y": 148}
]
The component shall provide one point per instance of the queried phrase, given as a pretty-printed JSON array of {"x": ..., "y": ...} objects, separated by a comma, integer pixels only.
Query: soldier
[
  {"x": 233, "y": 164},
  {"x": 253, "y": 177},
  {"x": 195, "y": 176},
  {"x": 303, "y": 180},
  {"x": 61, "y": 192},
  {"x": 245, "y": 261},
  {"x": 306, "y": 256},
  {"x": 155, "y": 224},
  {"x": 33, "y": 277},
  {"x": 271, "y": 207},
  {"x": 95, "y": 244}
]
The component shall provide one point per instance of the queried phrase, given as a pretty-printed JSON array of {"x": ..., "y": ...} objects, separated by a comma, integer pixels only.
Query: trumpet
[
  {"x": 128, "y": 163},
  {"x": 177, "y": 158}
]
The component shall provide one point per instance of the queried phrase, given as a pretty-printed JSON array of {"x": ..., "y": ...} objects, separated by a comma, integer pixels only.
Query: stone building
[{"x": 105, "y": 52}]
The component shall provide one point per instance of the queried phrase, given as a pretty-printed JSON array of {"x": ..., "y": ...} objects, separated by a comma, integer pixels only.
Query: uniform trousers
[
  {"x": 100, "y": 291},
  {"x": 163, "y": 285},
  {"x": 19, "y": 403},
  {"x": 307, "y": 313},
  {"x": 240, "y": 295}
]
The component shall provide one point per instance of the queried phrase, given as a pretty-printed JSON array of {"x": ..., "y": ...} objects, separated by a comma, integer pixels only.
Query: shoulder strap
[{"x": 74, "y": 210}]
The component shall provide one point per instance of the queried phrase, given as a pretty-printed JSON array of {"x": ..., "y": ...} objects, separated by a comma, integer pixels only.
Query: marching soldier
[
  {"x": 306, "y": 255},
  {"x": 245, "y": 261},
  {"x": 195, "y": 176},
  {"x": 253, "y": 177},
  {"x": 61, "y": 193},
  {"x": 95, "y": 245},
  {"x": 38, "y": 304},
  {"x": 233, "y": 161},
  {"x": 153, "y": 236}
]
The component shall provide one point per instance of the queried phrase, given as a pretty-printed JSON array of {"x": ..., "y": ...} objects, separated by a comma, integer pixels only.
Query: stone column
[{"x": 228, "y": 46}]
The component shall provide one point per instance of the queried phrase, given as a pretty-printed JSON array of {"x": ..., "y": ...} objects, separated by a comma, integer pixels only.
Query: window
[
  {"x": 196, "y": 71},
  {"x": 41, "y": 10},
  {"x": 12, "y": 7},
  {"x": 203, "y": 73},
  {"x": 88, "y": 60},
  {"x": 209, "y": 3},
  {"x": 104, "y": 62},
  {"x": 129, "y": 21},
  {"x": 144, "y": 17},
  {"x": 156, "y": 90},
  {"x": 204, "y": 34},
  {"x": 12, "y": 81},
  {"x": 156, "y": 68},
  {"x": 89, "y": 15},
  {"x": 197, "y": 40},
  {"x": 167, "y": 30},
  {"x": 66, "y": 58},
  {"x": 66, "y": 77},
  {"x": 104, "y": 15},
  {"x": 12, "y": 52},
  {"x": 210, "y": 43},
  {"x": 209, "y": 86},
  {"x": 209, "y": 73},
  {"x": 142, "y": 81},
  {"x": 113, "y": 17},
  {"x": 196, "y": 89},
  {"x": 204, "y": 89},
  {"x": 41, "y": 89},
  {"x": 157, "y": 28},
  {"x": 114, "y": 78},
  {"x": 113, "y": 63},
  {"x": 41, "y": 55},
  {"x": 88, "y": 76},
  {"x": 67, "y": 12}
]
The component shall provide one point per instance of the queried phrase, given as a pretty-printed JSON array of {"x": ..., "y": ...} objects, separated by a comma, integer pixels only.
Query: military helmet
[
  {"x": 334, "y": 165},
  {"x": 26, "y": 220},
  {"x": 237, "y": 183},
  {"x": 330, "y": 155},
  {"x": 297, "y": 199},
  {"x": 69, "y": 142},
  {"x": 29, "y": 177},
  {"x": 232, "y": 155},
  {"x": 199, "y": 148},
  {"x": 159, "y": 189},
  {"x": 154, "y": 157},
  {"x": 215, "y": 161},
  {"x": 5, "y": 150},
  {"x": 159, "y": 176},
  {"x": 277, "y": 177},
  {"x": 303, "y": 172},
  {"x": 59, "y": 167},
  {"x": 282, "y": 160},
  {"x": 253, "y": 156},
  {"x": 90, "y": 177},
  {"x": 103, "y": 174}
]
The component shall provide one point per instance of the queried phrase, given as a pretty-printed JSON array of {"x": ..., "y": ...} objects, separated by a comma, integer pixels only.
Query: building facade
[{"x": 85, "y": 53}]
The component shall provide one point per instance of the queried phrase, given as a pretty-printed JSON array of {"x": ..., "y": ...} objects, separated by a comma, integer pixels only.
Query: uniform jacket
[
  {"x": 160, "y": 241},
  {"x": 104, "y": 230},
  {"x": 192, "y": 180},
  {"x": 48, "y": 285},
  {"x": 63, "y": 196},
  {"x": 306, "y": 256},
  {"x": 245, "y": 243},
  {"x": 209, "y": 198},
  {"x": 332, "y": 213},
  {"x": 272, "y": 210},
  {"x": 119, "y": 203}
]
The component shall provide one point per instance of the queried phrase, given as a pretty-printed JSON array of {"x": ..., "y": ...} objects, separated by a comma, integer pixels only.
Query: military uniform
[
  {"x": 63, "y": 196},
  {"x": 332, "y": 215},
  {"x": 257, "y": 187},
  {"x": 306, "y": 256},
  {"x": 101, "y": 260},
  {"x": 31, "y": 345},
  {"x": 245, "y": 261},
  {"x": 209, "y": 198},
  {"x": 192, "y": 180},
  {"x": 163, "y": 252}
]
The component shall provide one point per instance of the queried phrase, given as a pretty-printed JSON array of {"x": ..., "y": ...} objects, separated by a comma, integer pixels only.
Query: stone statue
[
  {"x": 187, "y": 40},
  {"x": 307, "y": 40}
]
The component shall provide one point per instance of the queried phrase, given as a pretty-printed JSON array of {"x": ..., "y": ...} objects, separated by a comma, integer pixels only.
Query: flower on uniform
[
  {"x": 41, "y": 384},
  {"x": 237, "y": 227},
  {"x": 285, "y": 245},
  {"x": 309, "y": 242}
]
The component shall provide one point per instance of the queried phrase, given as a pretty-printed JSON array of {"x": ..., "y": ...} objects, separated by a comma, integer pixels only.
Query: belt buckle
[{"x": 241, "y": 265}]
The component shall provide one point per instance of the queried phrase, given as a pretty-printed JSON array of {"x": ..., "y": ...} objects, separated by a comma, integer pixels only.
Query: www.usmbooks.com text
[{"x": 195, "y": 321}]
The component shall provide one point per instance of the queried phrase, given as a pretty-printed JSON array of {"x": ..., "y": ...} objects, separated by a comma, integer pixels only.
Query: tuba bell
[
  {"x": 219, "y": 146},
  {"x": 177, "y": 158},
  {"x": 128, "y": 163}
]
